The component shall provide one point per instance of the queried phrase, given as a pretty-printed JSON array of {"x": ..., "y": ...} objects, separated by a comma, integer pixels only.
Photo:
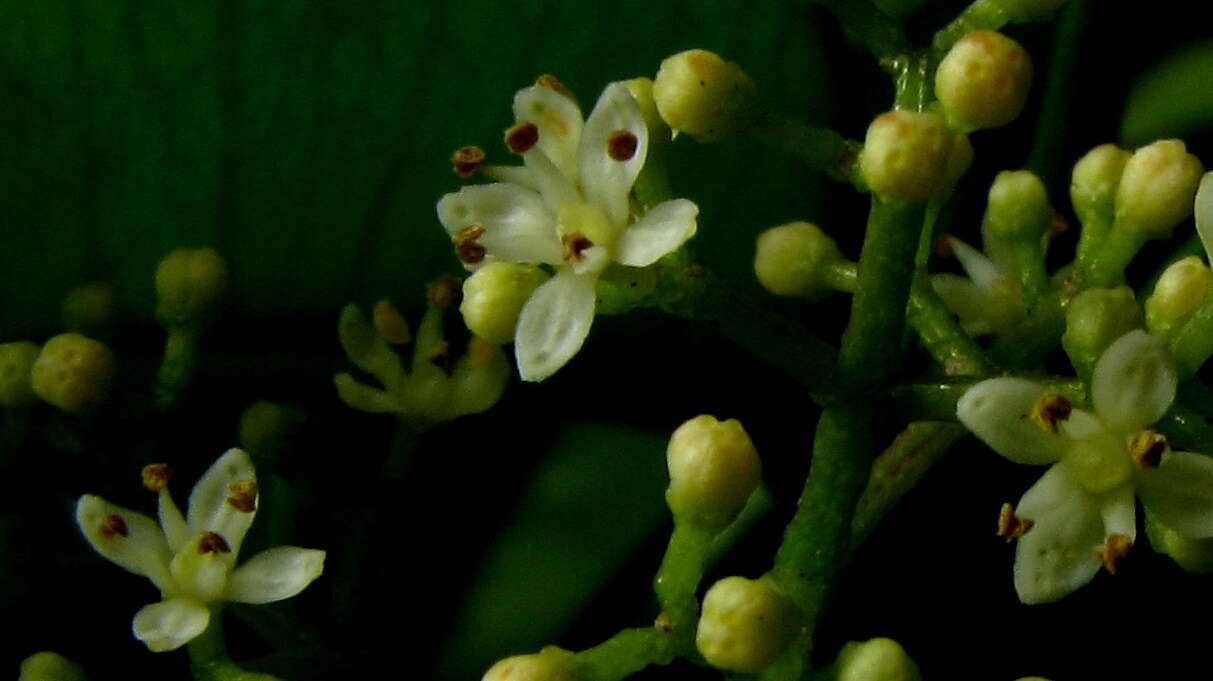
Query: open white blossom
[
  {"x": 568, "y": 208},
  {"x": 1081, "y": 513},
  {"x": 989, "y": 299},
  {"x": 192, "y": 558}
]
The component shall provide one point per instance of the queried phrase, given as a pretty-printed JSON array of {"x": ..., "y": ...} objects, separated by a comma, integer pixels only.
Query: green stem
[
  {"x": 678, "y": 578},
  {"x": 1025, "y": 345},
  {"x": 1046, "y": 156},
  {"x": 1107, "y": 265},
  {"x": 758, "y": 505},
  {"x": 624, "y": 654},
  {"x": 912, "y": 75},
  {"x": 820, "y": 148},
  {"x": 209, "y": 660},
  {"x": 949, "y": 345},
  {"x": 1192, "y": 344},
  {"x": 981, "y": 15},
  {"x": 842, "y": 276},
  {"x": 1093, "y": 232},
  {"x": 177, "y": 368}
]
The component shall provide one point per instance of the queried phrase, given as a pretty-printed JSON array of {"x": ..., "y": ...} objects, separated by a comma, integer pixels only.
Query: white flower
[
  {"x": 191, "y": 558},
  {"x": 568, "y": 208},
  {"x": 990, "y": 299},
  {"x": 1081, "y": 513}
]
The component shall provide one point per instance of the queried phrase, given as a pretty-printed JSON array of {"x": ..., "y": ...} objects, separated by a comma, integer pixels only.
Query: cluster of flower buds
[{"x": 438, "y": 387}]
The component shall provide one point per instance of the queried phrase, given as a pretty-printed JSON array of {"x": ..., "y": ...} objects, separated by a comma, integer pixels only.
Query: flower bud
[
  {"x": 1180, "y": 291},
  {"x": 73, "y": 372},
  {"x": 189, "y": 282},
  {"x": 1094, "y": 182},
  {"x": 704, "y": 96},
  {"x": 90, "y": 308},
  {"x": 745, "y": 624},
  {"x": 877, "y": 659},
  {"x": 713, "y": 470},
  {"x": 493, "y": 298},
  {"x": 549, "y": 664},
  {"x": 1157, "y": 189},
  {"x": 1018, "y": 207},
  {"x": 905, "y": 155},
  {"x": 983, "y": 81},
  {"x": 1190, "y": 553},
  {"x": 642, "y": 92},
  {"x": 16, "y": 362},
  {"x": 792, "y": 259},
  {"x": 1094, "y": 320},
  {"x": 49, "y": 666}
]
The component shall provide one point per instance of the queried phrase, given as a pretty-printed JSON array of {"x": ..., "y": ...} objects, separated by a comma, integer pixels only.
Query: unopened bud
[
  {"x": 905, "y": 155},
  {"x": 792, "y": 260},
  {"x": 549, "y": 664},
  {"x": 49, "y": 666},
  {"x": 983, "y": 80},
  {"x": 73, "y": 372},
  {"x": 493, "y": 298},
  {"x": 1018, "y": 208},
  {"x": 1094, "y": 320},
  {"x": 16, "y": 364},
  {"x": 189, "y": 282},
  {"x": 704, "y": 96},
  {"x": 713, "y": 470},
  {"x": 1157, "y": 189},
  {"x": 1180, "y": 291},
  {"x": 1193, "y": 554},
  {"x": 745, "y": 624},
  {"x": 642, "y": 92},
  {"x": 1094, "y": 182},
  {"x": 90, "y": 308},
  {"x": 877, "y": 659}
]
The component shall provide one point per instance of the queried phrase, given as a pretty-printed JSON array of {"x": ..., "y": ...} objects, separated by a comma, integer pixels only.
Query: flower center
[
  {"x": 588, "y": 236},
  {"x": 1100, "y": 462}
]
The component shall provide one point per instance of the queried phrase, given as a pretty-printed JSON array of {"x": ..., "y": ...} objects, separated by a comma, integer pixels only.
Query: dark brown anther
[
  {"x": 442, "y": 358},
  {"x": 551, "y": 82},
  {"x": 1113, "y": 550},
  {"x": 1058, "y": 225},
  {"x": 942, "y": 248},
  {"x": 1147, "y": 449},
  {"x": 1050, "y": 410},
  {"x": 444, "y": 292},
  {"x": 243, "y": 495},
  {"x": 113, "y": 526},
  {"x": 521, "y": 137},
  {"x": 466, "y": 160},
  {"x": 389, "y": 324},
  {"x": 156, "y": 476},
  {"x": 1010, "y": 526},
  {"x": 212, "y": 542},
  {"x": 466, "y": 247},
  {"x": 574, "y": 246},
  {"x": 621, "y": 145}
]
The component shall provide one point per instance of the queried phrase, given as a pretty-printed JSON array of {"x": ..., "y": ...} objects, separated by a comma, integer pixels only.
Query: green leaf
[{"x": 1172, "y": 99}]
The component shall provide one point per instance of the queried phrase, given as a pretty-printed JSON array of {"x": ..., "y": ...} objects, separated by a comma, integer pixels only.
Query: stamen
[
  {"x": 156, "y": 476},
  {"x": 1050, "y": 410},
  {"x": 243, "y": 495},
  {"x": 521, "y": 137},
  {"x": 390, "y": 324},
  {"x": 212, "y": 542},
  {"x": 664, "y": 622},
  {"x": 943, "y": 246},
  {"x": 1058, "y": 225},
  {"x": 1010, "y": 526},
  {"x": 551, "y": 82},
  {"x": 1114, "y": 549},
  {"x": 444, "y": 292},
  {"x": 574, "y": 245},
  {"x": 466, "y": 160},
  {"x": 1147, "y": 449},
  {"x": 466, "y": 247},
  {"x": 621, "y": 145},
  {"x": 441, "y": 357},
  {"x": 113, "y": 526}
]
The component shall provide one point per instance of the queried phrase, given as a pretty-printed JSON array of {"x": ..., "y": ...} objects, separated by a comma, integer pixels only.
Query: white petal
[
  {"x": 172, "y": 522},
  {"x": 604, "y": 180},
  {"x": 364, "y": 397},
  {"x": 660, "y": 232},
  {"x": 275, "y": 574},
  {"x": 519, "y": 175},
  {"x": 1118, "y": 509},
  {"x": 1057, "y": 555},
  {"x": 518, "y": 225},
  {"x": 968, "y": 301},
  {"x": 1134, "y": 382},
  {"x": 980, "y": 269},
  {"x": 1204, "y": 212},
  {"x": 142, "y": 549},
  {"x": 559, "y": 121},
  {"x": 552, "y": 184},
  {"x": 1180, "y": 493},
  {"x": 553, "y": 324},
  {"x": 210, "y": 509},
  {"x": 170, "y": 624},
  {"x": 201, "y": 574},
  {"x": 998, "y": 411}
]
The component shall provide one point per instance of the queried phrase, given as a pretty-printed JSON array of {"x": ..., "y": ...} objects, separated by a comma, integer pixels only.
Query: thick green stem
[
  {"x": 209, "y": 660},
  {"x": 678, "y": 578},
  {"x": 913, "y": 88},
  {"x": 820, "y": 148},
  {"x": 1107, "y": 266},
  {"x": 626, "y": 653}
]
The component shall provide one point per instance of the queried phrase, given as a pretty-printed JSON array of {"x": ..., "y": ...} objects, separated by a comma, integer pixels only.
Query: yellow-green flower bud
[
  {"x": 642, "y": 92},
  {"x": 90, "y": 308},
  {"x": 1018, "y": 207},
  {"x": 1181, "y": 289},
  {"x": 877, "y": 659},
  {"x": 493, "y": 297},
  {"x": 1157, "y": 189},
  {"x": 704, "y": 96},
  {"x": 189, "y": 282},
  {"x": 73, "y": 372},
  {"x": 745, "y": 624},
  {"x": 16, "y": 363},
  {"x": 49, "y": 666},
  {"x": 983, "y": 81},
  {"x": 714, "y": 469},
  {"x": 906, "y": 155},
  {"x": 1095, "y": 318},
  {"x": 1190, "y": 553},
  {"x": 1094, "y": 182},
  {"x": 549, "y": 664},
  {"x": 793, "y": 259}
]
